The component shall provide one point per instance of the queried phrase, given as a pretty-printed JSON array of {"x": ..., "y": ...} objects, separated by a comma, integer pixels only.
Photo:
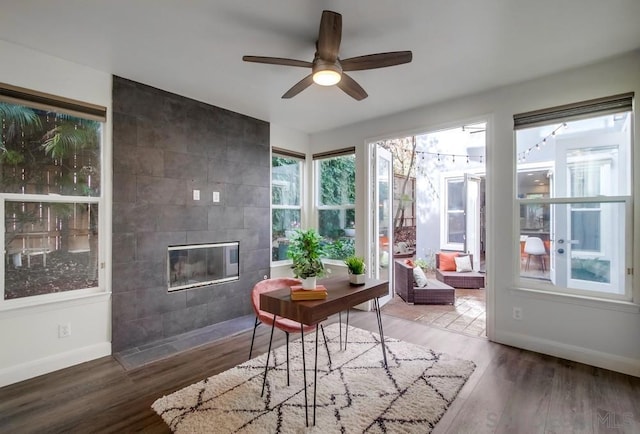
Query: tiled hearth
[{"x": 143, "y": 355}]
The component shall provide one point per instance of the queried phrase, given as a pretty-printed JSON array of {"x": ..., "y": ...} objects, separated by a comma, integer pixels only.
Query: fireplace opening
[{"x": 190, "y": 266}]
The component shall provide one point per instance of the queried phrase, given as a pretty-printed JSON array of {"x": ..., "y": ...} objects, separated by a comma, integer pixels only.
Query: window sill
[
  {"x": 53, "y": 301},
  {"x": 581, "y": 300}
]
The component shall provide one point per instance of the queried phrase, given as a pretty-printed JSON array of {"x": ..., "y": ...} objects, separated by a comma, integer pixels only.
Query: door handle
[{"x": 561, "y": 241}]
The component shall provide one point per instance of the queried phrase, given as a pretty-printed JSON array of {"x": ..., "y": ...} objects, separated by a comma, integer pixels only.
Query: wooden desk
[{"x": 341, "y": 295}]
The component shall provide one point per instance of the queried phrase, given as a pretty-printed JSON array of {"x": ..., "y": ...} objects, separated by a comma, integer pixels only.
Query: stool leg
[
  {"x": 266, "y": 365},
  {"x": 287, "y": 333},
  {"x": 255, "y": 326}
]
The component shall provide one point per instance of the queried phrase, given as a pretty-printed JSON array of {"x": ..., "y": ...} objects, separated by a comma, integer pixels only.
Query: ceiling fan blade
[
  {"x": 299, "y": 87},
  {"x": 277, "y": 61},
  {"x": 329, "y": 36},
  {"x": 379, "y": 60},
  {"x": 351, "y": 87}
]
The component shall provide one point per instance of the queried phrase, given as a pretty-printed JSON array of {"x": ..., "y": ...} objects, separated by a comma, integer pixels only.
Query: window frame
[
  {"x": 628, "y": 298},
  {"x": 48, "y": 102},
  {"x": 447, "y": 179},
  {"x": 342, "y": 208},
  {"x": 277, "y": 152}
]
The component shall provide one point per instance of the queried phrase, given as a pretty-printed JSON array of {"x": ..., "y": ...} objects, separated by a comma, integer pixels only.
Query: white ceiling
[{"x": 195, "y": 47}]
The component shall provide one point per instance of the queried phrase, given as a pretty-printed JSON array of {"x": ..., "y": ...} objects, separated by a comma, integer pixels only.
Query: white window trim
[
  {"x": 298, "y": 207},
  {"x": 57, "y": 296},
  {"x": 318, "y": 207},
  {"x": 444, "y": 220},
  {"x": 532, "y": 284}
]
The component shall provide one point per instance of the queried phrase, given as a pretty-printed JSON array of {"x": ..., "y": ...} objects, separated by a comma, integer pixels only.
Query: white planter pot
[
  {"x": 357, "y": 279},
  {"x": 309, "y": 283}
]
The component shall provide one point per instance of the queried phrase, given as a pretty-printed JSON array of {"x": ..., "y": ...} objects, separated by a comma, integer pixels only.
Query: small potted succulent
[
  {"x": 305, "y": 252},
  {"x": 356, "y": 267}
]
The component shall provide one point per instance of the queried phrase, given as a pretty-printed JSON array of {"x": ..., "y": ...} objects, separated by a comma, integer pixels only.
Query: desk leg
[
  {"x": 379, "y": 315},
  {"x": 266, "y": 365},
  {"x": 326, "y": 345},
  {"x": 304, "y": 375},
  {"x": 340, "y": 321},
  {"x": 315, "y": 378},
  {"x": 346, "y": 330}
]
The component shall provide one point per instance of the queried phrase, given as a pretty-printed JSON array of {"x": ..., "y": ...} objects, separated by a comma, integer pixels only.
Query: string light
[
  {"x": 440, "y": 156},
  {"x": 522, "y": 156}
]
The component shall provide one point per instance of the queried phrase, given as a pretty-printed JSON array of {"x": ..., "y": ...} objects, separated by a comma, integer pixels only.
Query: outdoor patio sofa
[
  {"x": 469, "y": 279},
  {"x": 435, "y": 292}
]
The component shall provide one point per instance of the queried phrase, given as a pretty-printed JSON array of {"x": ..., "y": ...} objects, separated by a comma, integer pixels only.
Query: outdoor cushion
[
  {"x": 419, "y": 277},
  {"x": 447, "y": 261},
  {"x": 463, "y": 264}
]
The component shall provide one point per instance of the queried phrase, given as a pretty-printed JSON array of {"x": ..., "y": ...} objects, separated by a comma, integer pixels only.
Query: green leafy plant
[
  {"x": 341, "y": 248},
  {"x": 355, "y": 264},
  {"x": 306, "y": 252}
]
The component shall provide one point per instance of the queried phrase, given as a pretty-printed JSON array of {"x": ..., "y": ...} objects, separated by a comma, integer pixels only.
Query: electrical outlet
[
  {"x": 196, "y": 194},
  {"x": 64, "y": 330},
  {"x": 517, "y": 313},
  {"x": 216, "y": 196}
]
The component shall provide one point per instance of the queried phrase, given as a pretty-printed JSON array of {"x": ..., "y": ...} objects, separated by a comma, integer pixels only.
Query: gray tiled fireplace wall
[{"x": 164, "y": 147}]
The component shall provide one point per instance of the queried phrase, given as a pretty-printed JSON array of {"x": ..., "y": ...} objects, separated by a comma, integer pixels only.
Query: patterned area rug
[{"x": 355, "y": 394}]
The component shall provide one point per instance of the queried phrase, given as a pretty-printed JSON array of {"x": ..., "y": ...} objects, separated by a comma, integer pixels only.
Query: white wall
[
  {"x": 604, "y": 335},
  {"x": 29, "y": 343}
]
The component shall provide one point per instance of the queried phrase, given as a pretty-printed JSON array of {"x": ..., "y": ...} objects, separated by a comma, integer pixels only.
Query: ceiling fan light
[
  {"x": 326, "y": 73},
  {"x": 326, "y": 77}
]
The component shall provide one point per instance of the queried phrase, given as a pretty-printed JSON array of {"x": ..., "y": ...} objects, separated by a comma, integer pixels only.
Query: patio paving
[{"x": 467, "y": 315}]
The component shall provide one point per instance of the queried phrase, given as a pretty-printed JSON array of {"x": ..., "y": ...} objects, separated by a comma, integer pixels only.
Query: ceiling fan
[{"x": 327, "y": 68}]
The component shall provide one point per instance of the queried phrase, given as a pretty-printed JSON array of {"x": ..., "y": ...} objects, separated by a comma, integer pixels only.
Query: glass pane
[
  {"x": 284, "y": 222},
  {"x": 455, "y": 195},
  {"x": 456, "y": 227},
  {"x": 586, "y": 230},
  {"x": 45, "y": 152},
  {"x": 285, "y": 181},
  {"x": 337, "y": 180},
  {"x": 339, "y": 241},
  {"x": 583, "y": 251},
  {"x": 591, "y": 269},
  {"x": 50, "y": 247}
]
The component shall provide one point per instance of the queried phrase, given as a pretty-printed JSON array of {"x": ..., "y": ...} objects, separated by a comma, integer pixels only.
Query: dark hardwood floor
[{"x": 511, "y": 391}]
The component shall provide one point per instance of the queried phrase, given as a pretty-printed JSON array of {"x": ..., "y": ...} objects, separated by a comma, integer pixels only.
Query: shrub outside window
[
  {"x": 336, "y": 204},
  {"x": 286, "y": 208}
]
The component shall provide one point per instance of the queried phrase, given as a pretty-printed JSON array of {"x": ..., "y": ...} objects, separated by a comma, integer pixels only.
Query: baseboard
[
  {"x": 587, "y": 356},
  {"x": 34, "y": 368}
]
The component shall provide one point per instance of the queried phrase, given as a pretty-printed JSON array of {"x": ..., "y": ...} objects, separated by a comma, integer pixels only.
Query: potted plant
[
  {"x": 305, "y": 251},
  {"x": 356, "y": 267},
  {"x": 350, "y": 230}
]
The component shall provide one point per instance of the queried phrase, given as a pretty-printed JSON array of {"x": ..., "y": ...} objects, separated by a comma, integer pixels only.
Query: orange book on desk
[{"x": 297, "y": 293}]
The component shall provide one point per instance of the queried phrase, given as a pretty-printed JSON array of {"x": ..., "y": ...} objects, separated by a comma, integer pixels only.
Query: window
[
  {"x": 574, "y": 191},
  {"x": 50, "y": 195},
  {"x": 336, "y": 197},
  {"x": 286, "y": 205},
  {"x": 454, "y": 218}
]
